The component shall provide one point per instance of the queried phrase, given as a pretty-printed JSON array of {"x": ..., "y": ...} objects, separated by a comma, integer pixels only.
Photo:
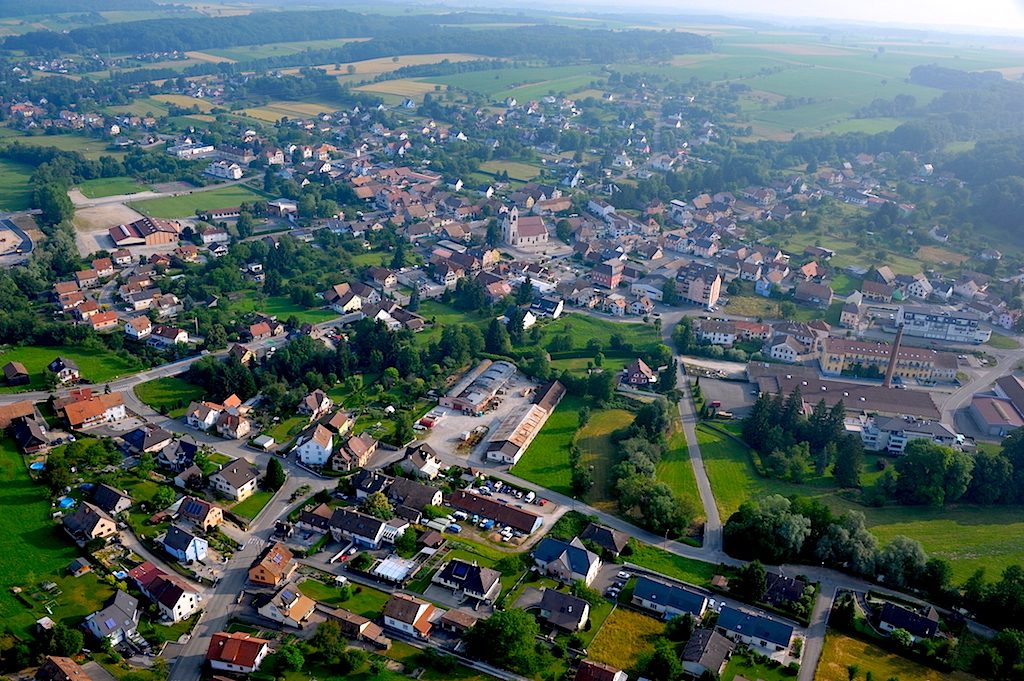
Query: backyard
[
  {"x": 251, "y": 507},
  {"x": 364, "y": 600},
  {"x": 34, "y": 550},
  {"x": 186, "y": 205},
  {"x": 282, "y": 308},
  {"x": 97, "y": 365},
  {"x": 170, "y": 395},
  {"x": 625, "y": 639},
  {"x": 841, "y": 652}
]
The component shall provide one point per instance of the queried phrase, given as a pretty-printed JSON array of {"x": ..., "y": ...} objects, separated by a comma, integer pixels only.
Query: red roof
[{"x": 238, "y": 648}]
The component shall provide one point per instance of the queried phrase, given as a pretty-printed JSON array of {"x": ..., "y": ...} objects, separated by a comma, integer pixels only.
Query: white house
[
  {"x": 315, "y": 446},
  {"x": 289, "y": 607},
  {"x": 238, "y": 652},
  {"x": 409, "y": 615},
  {"x": 236, "y": 479}
]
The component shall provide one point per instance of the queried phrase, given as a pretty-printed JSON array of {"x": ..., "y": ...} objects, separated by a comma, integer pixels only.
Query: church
[{"x": 525, "y": 231}]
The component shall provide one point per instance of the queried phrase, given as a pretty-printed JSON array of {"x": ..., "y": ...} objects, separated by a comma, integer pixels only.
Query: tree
[
  {"x": 378, "y": 506},
  {"x": 403, "y": 429},
  {"x": 767, "y": 529},
  {"x": 53, "y": 202},
  {"x": 563, "y": 230},
  {"x": 902, "y": 637},
  {"x": 290, "y": 658},
  {"x": 750, "y": 583},
  {"x": 664, "y": 664},
  {"x": 930, "y": 474},
  {"x": 275, "y": 476},
  {"x": 493, "y": 236},
  {"x": 525, "y": 292},
  {"x": 516, "y": 630},
  {"x": 399, "y": 259},
  {"x": 669, "y": 293},
  {"x": 65, "y": 641},
  {"x": 902, "y": 562},
  {"x": 405, "y": 544},
  {"x": 164, "y": 496},
  {"x": 680, "y": 628},
  {"x": 496, "y": 340},
  {"x": 849, "y": 460},
  {"x": 245, "y": 224},
  {"x": 414, "y": 301}
]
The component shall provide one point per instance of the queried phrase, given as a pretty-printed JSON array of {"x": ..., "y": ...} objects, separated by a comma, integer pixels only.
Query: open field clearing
[
  {"x": 170, "y": 395},
  {"x": 98, "y": 219},
  {"x": 842, "y": 651},
  {"x": 546, "y": 460},
  {"x": 400, "y": 87},
  {"x": 207, "y": 57},
  {"x": 848, "y": 253},
  {"x": 279, "y": 109},
  {"x": 15, "y": 191},
  {"x": 940, "y": 256},
  {"x": 86, "y": 146},
  {"x": 625, "y": 638},
  {"x": 520, "y": 82},
  {"x": 110, "y": 186},
  {"x": 675, "y": 470},
  {"x": 599, "y": 453},
  {"x": 186, "y": 102},
  {"x": 374, "y": 67},
  {"x": 96, "y": 365},
  {"x": 244, "y": 53},
  {"x": 188, "y": 204},
  {"x": 515, "y": 169}
]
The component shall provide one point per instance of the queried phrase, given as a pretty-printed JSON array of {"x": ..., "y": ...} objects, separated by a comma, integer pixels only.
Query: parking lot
[
  {"x": 735, "y": 396},
  {"x": 447, "y": 434}
]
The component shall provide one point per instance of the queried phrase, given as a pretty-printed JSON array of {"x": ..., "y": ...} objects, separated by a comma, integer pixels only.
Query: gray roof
[
  {"x": 566, "y": 610},
  {"x": 573, "y": 555},
  {"x": 708, "y": 648},
  {"x": 755, "y": 626},
  {"x": 238, "y": 472},
  {"x": 670, "y": 596},
  {"x": 178, "y": 538},
  {"x": 119, "y": 614}
]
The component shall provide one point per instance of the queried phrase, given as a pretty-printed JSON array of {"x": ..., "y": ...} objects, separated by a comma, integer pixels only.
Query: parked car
[
  {"x": 455, "y": 528},
  {"x": 623, "y": 575}
]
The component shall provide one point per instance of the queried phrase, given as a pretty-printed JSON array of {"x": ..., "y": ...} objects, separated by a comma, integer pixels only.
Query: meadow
[
  {"x": 840, "y": 652},
  {"x": 524, "y": 83},
  {"x": 584, "y": 328},
  {"x": 283, "y": 308},
  {"x": 87, "y": 146},
  {"x": 515, "y": 169},
  {"x": 969, "y": 537},
  {"x": 675, "y": 470},
  {"x": 251, "y": 52},
  {"x": 849, "y": 254},
  {"x": 598, "y": 452},
  {"x": 170, "y": 395},
  {"x": 110, "y": 186},
  {"x": 186, "y": 205},
  {"x": 546, "y": 460},
  {"x": 15, "y": 190},
  {"x": 97, "y": 365},
  {"x": 34, "y": 550},
  {"x": 625, "y": 639}
]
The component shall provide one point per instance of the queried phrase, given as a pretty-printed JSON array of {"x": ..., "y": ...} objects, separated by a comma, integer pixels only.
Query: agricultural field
[
  {"x": 400, "y": 89},
  {"x": 110, "y": 186},
  {"x": 546, "y": 460},
  {"x": 97, "y": 365},
  {"x": 625, "y": 638},
  {"x": 185, "y": 102},
  {"x": 278, "y": 109},
  {"x": 170, "y": 395},
  {"x": 969, "y": 537},
  {"x": 599, "y": 453},
  {"x": 523, "y": 83},
  {"x": 842, "y": 651},
  {"x": 515, "y": 169},
  {"x": 34, "y": 550},
  {"x": 187, "y": 204},
  {"x": 15, "y": 191},
  {"x": 86, "y": 146},
  {"x": 251, "y": 52},
  {"x": 366, "y": 69}
]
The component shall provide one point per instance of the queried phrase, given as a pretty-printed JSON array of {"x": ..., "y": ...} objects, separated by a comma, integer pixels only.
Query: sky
[{"x": 1005, "y": 15}]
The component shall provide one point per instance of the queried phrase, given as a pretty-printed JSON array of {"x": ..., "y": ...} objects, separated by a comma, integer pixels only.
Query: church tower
[{"x": 510, "y": 226}]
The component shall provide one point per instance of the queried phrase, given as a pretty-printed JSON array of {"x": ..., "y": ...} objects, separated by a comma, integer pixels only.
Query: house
[
  {"x": 15, "y": 373},
  {"x": 894, "y": 617},
  {"x": 202, "y": 415},
  {"x": 638, "y": 373},
  {"x": 355, "y": 452},
  {"x": 567, "y": 562},
  {"x": 413, "y": 495},
  {"x": 706, "y": 651},
  {"x": 359, "y": 528},
  {"x": 810, "y": 293},
  {"x": 175, "y": 599},
  {"x": 273, "y": 566},
  {"x": 260, "y": 331},
  {"x": 699, "y": 284},
  {"x": 473, "y": 581},
  {"x": 564, "y": 611},
  {"x": 87, "y": 278},
  {"x": 111, "y": 500},
  {"x": 315, "y": 446},
  {"x": 288, "y": 606},
  {"x": 315, "y": 404},
  {"x": 597, "y": 671},
  {"x": 611, "y": 541},
  {"x": 93, "y": 410},
  {"x": 756, "y": 631},
  {"x": 244, "y": 355},
  {"x": 79, "y": 566},
  {"x": 357, "y": 627},
  {"x": 138, "y": 328},
  {"x": 168, "y": 335},
  {"x": 183, "y": 545},
  {"x": 519, "y": 519},
  {"x": 607, "y": 274},
  {"x": 237, "y": 652},
  {"x": 178, "y": 455},
  {"x": 103, "y": 321},
  {"x": 236, "y": 479},
  {"x": 200, "y": 512},
  {"x": 65, "y": 370},
  {"x": 409, "y": 615},
  {"x": 317, "y": 519},
  {"x": 117, "y": 622},
  {"x": 421, "y": 460},
  {"x": 56, "y": 668},
  {"x": 88, "y": 522},
  {"x": 548, "y": 306},
  {"x": 30, "y": 434},
  {"x": 232, "y": 425},
  {"x": 148, "y": 438},
  {"x": 668, "y": 600}
]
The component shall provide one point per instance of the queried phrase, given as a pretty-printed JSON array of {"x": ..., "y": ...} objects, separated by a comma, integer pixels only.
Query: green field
[
  {"x": 251, "y": 507},
  {"x": 842, "y": 651},
  {"x": 583, "y": 328},
  {"x": 251, "y": 52},
  {"x": 33, "y": 550},
  {"x": 442, "y": 315},
  {"x": 188, "y": 204},
  {"x": 110, "y": 186},
  {"x": 170, "y": 393},
  {"x": 599, "y": 452},
  {"x": 675, "y": 470},
  {"x": 515, "y": 169},
  {"x": 368, "y": 602},
  {"x": 969, "y": 537},
  {"x": 849, "y": 254},
  {"x": 523, "y": 83},
  {"x": 546, "y": 460},
  {"x": 97, "y": 365},
  {"x": 1002, "y": 342},
  {"x": 625, "y": 638},
  {"x": 283, "y": 308},
  {"x": 87, "y": 146},
  {"x": 687, "y": 570},
  {"x": 15, "y": 191}
]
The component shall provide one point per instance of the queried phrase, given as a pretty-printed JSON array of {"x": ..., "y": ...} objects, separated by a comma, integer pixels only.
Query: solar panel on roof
[
  {"x": 460, "y": 570},
  {"x": 109, "y": 623}
]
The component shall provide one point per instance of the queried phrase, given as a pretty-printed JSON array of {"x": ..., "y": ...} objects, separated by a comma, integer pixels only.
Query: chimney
[{"x": 891, "y": 369}]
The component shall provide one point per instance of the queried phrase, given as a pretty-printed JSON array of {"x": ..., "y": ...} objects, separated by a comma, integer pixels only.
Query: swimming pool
[
  {"x": 37, "y": 466},
  {"x": 65, "y": 502}
]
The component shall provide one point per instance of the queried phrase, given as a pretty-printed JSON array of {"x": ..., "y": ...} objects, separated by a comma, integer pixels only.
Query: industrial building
[
  {"x": 478, "y": 387},
  {"x": 516, "y": 432},
  {"x": 942, "y": 324},
  {"x": 920, "y": 364}
]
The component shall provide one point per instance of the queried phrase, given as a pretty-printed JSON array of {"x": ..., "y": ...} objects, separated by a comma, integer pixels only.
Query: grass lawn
[
  {"x": 283, "y": 431},
  {"x": 583, "y": 328},
  {"x": 15, "y": 191},
  {"x": 445, "y": 315},
  {"x": 755, "y": 306},
  {"x": 625, "y": 638},
  {"x": 282, "y": 307},
  {"x": 741, "y": 667},
  {"x": 848, "y": 253},
  {"x": 675, "y": 470},
  {"x": 1002, "y": 342},
  {"x": 97, "y": 365},
  {"x": 598, "y": 617},
  {"x": 365, "y": 600},
  {"x": 159, "y": 633},
  {"x": 187, "y": 205},
  {"x": 599, "y": 452},
  {"x": 87, "y": 146},
  {"x": 546, "y": 460},
  {"x": 251, "y": 507},
  {"x": 842, "y": 651},
  {"x": 844, "y": 284},
  {"x": 685, "y": 569},
  {"x": 515, "y": 169},
  {"x": 170, "y": 393},
  {"x": 374, "y": 258},
  {"x": 34, "y": 550},
  {"x": 110, "y": 186}
]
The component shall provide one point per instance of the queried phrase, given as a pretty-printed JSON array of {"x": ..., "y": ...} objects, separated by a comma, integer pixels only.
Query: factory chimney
[{"x": 891, "y": 369}]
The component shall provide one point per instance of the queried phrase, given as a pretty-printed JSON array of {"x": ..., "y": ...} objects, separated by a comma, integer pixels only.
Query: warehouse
[
  {"x": 478, "y": 387},
  {"x": 516, "y": 433}
]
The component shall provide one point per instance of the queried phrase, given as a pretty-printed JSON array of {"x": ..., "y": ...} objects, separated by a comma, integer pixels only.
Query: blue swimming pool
[
  {"x": 37, "y": 466},
  {"x": 65, "y": 502}
]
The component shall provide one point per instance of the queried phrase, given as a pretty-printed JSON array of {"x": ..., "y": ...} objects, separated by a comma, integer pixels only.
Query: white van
[{"x": 530, "y": 496}]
